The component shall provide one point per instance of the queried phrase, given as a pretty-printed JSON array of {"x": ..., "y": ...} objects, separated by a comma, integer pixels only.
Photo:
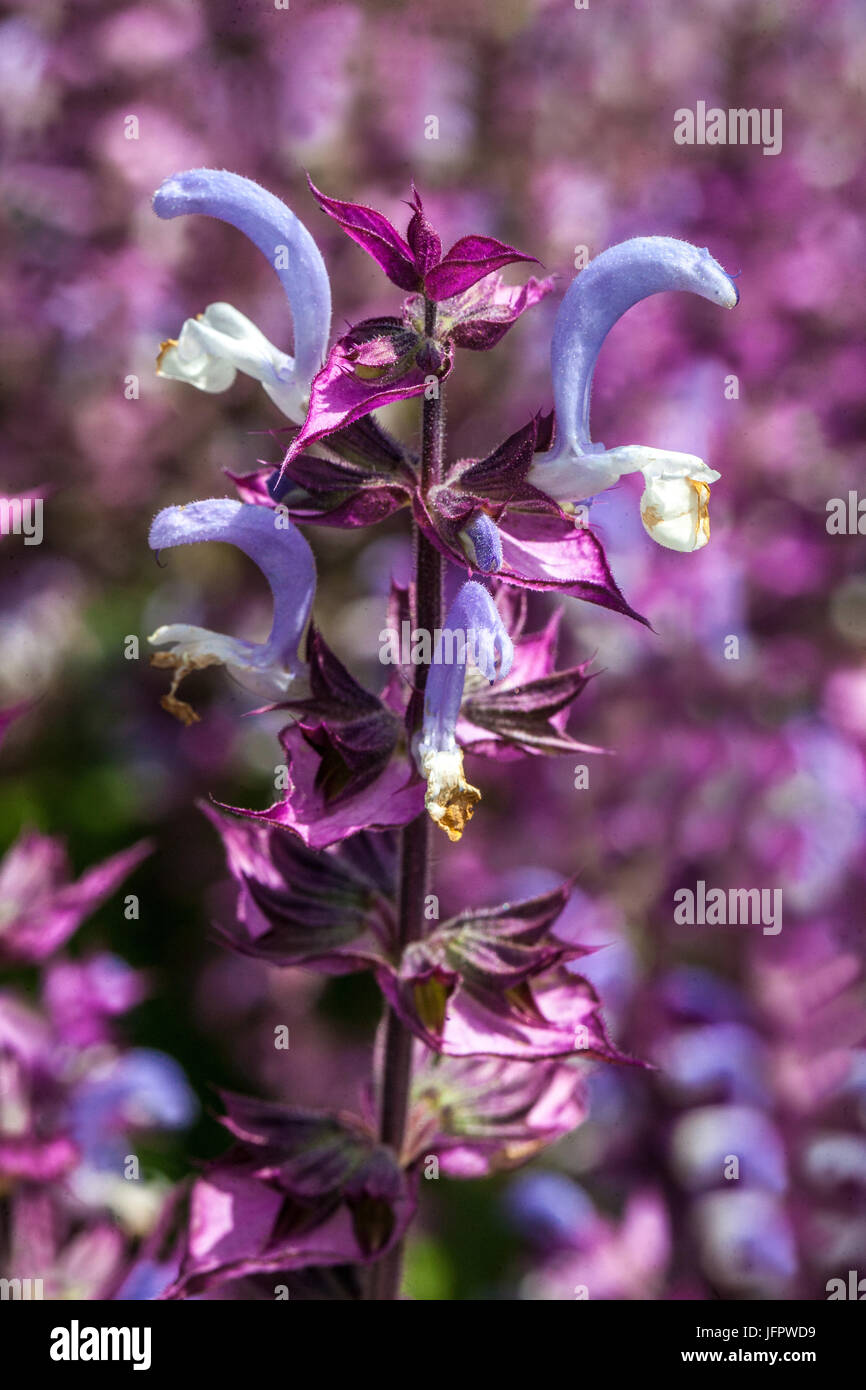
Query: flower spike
[
  {"x": 674, "y": 507},
  {"x": 210, "y": 349},
  {"x": 270, "y": 668}
]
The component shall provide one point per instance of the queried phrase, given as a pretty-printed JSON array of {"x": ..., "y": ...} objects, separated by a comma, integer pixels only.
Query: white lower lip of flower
[
  {"x": 194, "y": 648},
  {"x": 574, "y": 476},
  {"x": 212, "y": 348},
  {"x": 184, "y": 359},
  {"x": 675, "y": 512},
  {"x": 666, "y": 463},
  {"x": 450, "y": 799},
  {"x": 675, "y": 503}
]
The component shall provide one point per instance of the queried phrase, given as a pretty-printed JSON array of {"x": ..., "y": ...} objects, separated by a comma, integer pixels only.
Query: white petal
[
  {"x": 222, "y": 341},
  {"x": 186, "y": 359},
  {"x": 193, "y": 648},
  {"x": 675, "y": 512},
  {"x": 661, "y": 463}
]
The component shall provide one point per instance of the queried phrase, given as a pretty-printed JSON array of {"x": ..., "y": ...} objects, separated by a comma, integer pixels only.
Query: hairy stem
[{"x": 415, "y": 838}]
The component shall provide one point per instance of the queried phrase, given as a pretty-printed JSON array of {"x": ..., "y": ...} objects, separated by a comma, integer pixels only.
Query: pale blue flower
[
  {"x": 212, "y": 348},
  {"x": 674, "y": 507},
  {"x": 270, "y": 668}
]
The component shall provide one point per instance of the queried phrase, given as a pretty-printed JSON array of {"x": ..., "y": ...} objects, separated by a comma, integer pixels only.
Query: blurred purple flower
[
  {"x": 40, "y": 907},
  {"x": 82, "y": 995}
]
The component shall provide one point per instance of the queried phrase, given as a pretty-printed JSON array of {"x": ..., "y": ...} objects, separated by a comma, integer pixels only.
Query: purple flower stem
[{"x": 415, "y": 838}]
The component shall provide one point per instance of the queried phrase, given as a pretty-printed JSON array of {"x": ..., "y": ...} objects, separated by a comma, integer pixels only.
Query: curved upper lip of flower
[{"x": 598, "y": 296}]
